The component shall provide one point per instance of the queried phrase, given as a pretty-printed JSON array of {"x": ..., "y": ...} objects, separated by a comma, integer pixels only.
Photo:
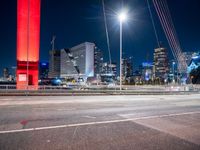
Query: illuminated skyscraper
[
  {"x": 127, "y": 67},
  {"x": 161, "y": 63},
  {"x": 98, "y": 61}
]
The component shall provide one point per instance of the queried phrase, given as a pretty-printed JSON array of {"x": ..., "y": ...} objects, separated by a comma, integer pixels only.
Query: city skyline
[{"x": 63, "y": 20}]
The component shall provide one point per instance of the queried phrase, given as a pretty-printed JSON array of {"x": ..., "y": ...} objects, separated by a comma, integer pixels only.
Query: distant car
[
  {"x": 56, "y": 81},
  {"x": 80, "y": 79},
  {"x": 111, "y": 84}
]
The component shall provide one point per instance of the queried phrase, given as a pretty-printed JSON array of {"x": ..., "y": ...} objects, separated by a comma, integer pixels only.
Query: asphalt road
[{"x": 154, "y": 122}]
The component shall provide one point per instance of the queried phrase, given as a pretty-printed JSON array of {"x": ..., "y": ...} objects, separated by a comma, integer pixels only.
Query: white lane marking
[
  {"x": 91, "y": 117},
  {"x": 159, "y": 116},
  {"x": 5, "y": 99},
  {"x": 65, "y": 126},
  {"x": 98, "y": 122}
]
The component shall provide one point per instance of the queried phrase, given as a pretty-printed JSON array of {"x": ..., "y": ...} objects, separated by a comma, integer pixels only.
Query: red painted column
[{"x": 28, "y": 40}]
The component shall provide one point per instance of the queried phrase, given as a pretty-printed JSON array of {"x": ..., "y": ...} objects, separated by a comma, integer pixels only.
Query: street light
[{"x": 122, "y": 18}]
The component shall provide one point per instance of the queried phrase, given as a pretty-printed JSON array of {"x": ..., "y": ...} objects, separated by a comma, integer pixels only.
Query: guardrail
[{"x": 4, "y": 88}]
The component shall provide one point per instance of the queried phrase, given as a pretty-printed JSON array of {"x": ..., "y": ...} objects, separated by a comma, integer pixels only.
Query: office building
[
  {"x": 127, "y": 67},
  {"x": 43, "y": 70},
  {"x": 5, "y": 73},
  {"x": 78, "y": 61},
  {"x": 147, "y": 71},
  {"x": 161, "y": 64},
  {"x": 110, "y": 69},
  {"x": 98, "y": 61},
  {"x": 54, "y": 64},
  {"x": 109, "y": 72}
]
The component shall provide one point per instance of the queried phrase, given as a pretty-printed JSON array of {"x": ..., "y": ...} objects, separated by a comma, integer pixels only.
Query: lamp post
[{"x": 122, "y": 17}]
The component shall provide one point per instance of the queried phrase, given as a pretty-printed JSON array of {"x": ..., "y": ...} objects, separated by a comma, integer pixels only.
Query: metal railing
[{"x": 4, "y": 88}]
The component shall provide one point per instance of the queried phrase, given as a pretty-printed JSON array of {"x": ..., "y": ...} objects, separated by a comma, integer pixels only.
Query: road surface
[{"x": 150, "y": 122}]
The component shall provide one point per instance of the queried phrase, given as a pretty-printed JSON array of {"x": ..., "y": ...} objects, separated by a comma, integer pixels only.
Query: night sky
[{"x": 77, "y": 21}]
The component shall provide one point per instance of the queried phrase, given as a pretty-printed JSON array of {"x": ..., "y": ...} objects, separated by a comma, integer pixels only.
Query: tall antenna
[
  {"x": 53, "y": 42},
  {"x": 52, "y": 52}
]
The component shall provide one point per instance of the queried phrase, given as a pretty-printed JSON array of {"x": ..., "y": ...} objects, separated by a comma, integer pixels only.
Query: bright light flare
[{"x": 122, "y": 16}]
